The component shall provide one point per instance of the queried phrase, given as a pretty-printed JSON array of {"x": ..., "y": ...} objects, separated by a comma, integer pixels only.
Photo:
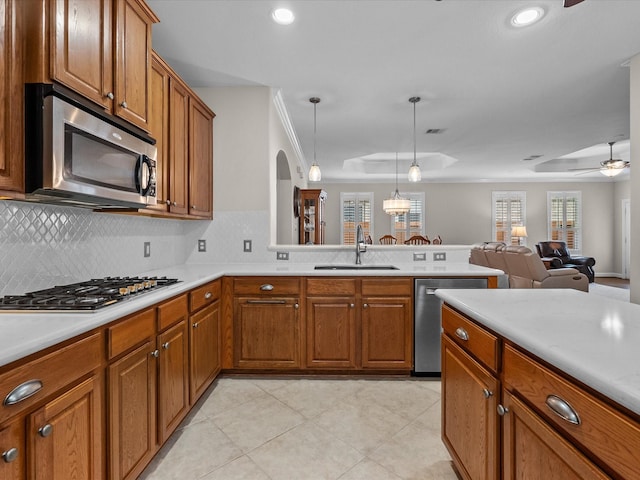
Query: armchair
[{"x": 555, "y": 254}]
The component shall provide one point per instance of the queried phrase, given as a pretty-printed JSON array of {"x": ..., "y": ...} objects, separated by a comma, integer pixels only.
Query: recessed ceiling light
[
  {"x": 526, "y": 17},
  {"x": 283, "y": 16}
]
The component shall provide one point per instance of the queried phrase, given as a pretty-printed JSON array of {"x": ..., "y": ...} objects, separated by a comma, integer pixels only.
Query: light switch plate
[
  {"x": 247, "y": 245},
  {"x": 282, "y": 255},
  {"x": 202, "y": 245},
  {"x": 147, "y": 249},
  {"x": 419, "y": 257},
  {"x": 439, "y": 256}
]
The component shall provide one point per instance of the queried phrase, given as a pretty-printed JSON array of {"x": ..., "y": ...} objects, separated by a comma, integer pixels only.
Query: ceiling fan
[
  {"x": 610, "y": 167},
  {"x": 571, "y": 3}
]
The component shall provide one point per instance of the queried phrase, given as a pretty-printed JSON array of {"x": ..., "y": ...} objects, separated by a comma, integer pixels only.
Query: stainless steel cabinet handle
[
  {"x": 208, "y": 295},
  {"x": 562, "y": 408},
  {"x": 10, "y": 455},
  {"x": 155, "y": 353},
  {"x": 46, "y": 430},
  {"x": 123, "y": 104},
  {"x": 22, "y": 392},
  {"x": 462, "y": 334},
  {"x": 165, "y": 345},
  {"x": 267, "y": 287},
  {"x": 502, "y": 411},
  {"x": 109, "y": 95},
  {"x": 487, "y": 393}
]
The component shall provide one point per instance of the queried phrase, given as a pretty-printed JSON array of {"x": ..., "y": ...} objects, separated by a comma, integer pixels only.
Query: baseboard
[{"x": 609, "y": 274}]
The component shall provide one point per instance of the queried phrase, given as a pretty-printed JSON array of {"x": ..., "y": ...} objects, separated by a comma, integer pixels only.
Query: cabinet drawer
[
  {"x": 204, "y": 295},
  {"x": 331, "y": 286},
  {"x": 266, "y": 286},
  {"x": 606, "y": 433},
  {"x": 387, "y": 286},
  {"x": 52, "y": 371},
  {"x": 474, "y": 339},
  {"x": 130, "y": 332},
  {"x": 172, "y": 312}
]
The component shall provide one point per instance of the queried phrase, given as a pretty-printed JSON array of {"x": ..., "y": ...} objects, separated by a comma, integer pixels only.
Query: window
[
  {"x": 412, "y": 223},
  {"x": 509, "y": 210},
  {"x": 356, "y": 209},
  {"x": 564, "y": 211}
]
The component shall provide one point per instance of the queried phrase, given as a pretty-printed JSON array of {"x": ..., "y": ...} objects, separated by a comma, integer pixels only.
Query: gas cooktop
[{"x": 85, "y": 296}]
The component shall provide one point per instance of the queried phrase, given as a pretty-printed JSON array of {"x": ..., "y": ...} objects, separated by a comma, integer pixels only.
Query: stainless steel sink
[{"x": 355, "y": 267}]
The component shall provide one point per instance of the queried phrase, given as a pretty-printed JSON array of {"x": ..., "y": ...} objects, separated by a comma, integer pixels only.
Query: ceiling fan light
[
  {"x": 611, "y": 171},
  {"x": 414, "y": 173},
  {"x": 315, "y": 175}
]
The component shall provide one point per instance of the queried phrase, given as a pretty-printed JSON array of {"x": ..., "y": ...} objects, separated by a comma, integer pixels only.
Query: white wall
[
  {"x": 635, "y": 179},
  {"x": 461, "y": 213}
]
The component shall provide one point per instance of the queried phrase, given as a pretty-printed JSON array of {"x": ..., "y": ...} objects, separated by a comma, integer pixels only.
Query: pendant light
[
  {"x": 414, "y": 172},
  {"x": 396, "y": 205},
  {"x": 315, "y": 175}
]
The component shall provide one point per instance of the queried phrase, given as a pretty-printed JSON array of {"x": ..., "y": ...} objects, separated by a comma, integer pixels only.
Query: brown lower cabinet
[{"x": 548, "y": 425}]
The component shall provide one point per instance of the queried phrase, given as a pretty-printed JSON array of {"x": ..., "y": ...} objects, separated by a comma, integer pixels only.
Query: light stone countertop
[
  {"x": 590, "y": 337},
  {"x": 25, "y": 333}
]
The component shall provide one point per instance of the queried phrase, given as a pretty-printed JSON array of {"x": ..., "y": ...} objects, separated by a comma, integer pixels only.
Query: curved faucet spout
[{"x": 361, "y": 246}]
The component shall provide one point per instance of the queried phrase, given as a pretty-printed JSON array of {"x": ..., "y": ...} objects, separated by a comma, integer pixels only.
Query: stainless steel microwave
[{"x": 80, "y": 156}]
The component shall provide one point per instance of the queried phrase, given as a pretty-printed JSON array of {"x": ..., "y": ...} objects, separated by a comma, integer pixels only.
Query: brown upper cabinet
[
  {"x": 183, "y": 128},
  {"x": 101, "y": 49}
]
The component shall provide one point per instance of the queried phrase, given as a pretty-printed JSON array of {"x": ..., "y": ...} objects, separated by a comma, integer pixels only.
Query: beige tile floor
[{"x": 308, "y": 429}]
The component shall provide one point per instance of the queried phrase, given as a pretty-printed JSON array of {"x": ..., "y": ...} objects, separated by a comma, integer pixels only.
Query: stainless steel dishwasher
[{"x": 427, "y": 320}]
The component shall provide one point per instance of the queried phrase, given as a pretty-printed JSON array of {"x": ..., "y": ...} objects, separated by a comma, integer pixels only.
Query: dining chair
[
  {"x": 417, "y": 240},
  {"x": 387, "y": 240},
  {"x": 437, "y": 240}
]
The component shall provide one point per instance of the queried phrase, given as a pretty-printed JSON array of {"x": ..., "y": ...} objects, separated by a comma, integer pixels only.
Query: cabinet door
[
  {"x": 133, "y": 61},
  {"x": 66, "y": 435},
  {"x": 331, "y": 332},
  {"x": 387, "y": 332},
  {"x": 178, "y": 146},
  {"x": 204, "y": 349},
  {"x": 266, "y": 333},
  {"x": 81, "y": 51},
  {"x": 132, "y": 412},
  {"x": 173, "y": 386},
  {"x": 533, "y": 450},
  {"x": 470, "y": 424},
  {"x": 12, "y": 451},
  {"x": 159, "y": 127},
  {"x": 11, "y": 112},
  {"x": 201, "y": 159}
]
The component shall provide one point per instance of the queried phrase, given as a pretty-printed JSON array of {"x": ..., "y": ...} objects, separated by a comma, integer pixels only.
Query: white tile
[
  {"x": 242, "y": 468},
  {"x": 369, "y": 470}
]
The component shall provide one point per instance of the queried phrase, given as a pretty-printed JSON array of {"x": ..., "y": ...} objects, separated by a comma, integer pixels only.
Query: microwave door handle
[{"x": 148, "y": 172}]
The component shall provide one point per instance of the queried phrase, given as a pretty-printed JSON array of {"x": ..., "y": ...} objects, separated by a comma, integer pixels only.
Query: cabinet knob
[
  {"x": 366, "y": 305},
  {"x": 123, "y": 104},
  {"x": 168, "y": 203},
  {"x": 175, "y": 204},
  {"x": 208, "y": 295},
  {"x": 352, "y": 305},
  {"x": 267, "y": 287},
  {"x": 10, "y": 455},
  {"x": 46, "y": 430},
  {"x": 109, "y": 95},
  {"x": 462, "y": 334},
  {"x": 487, "y": 393},
  {"x": 165, "y": 345},
  {"x": 195, "y": 325},
  {"x": 155, "y": 353},
  {"x": 502, "y": 410},
  {"x": 296, "y": 306},
  {"x": 193, "y": 207}
]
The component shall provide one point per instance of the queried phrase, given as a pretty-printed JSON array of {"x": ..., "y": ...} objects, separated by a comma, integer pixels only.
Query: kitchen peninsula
[{"x": 551, "y": 376}]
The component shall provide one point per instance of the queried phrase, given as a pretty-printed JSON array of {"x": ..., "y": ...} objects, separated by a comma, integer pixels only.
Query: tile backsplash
[{"x": 42, "y": 245}]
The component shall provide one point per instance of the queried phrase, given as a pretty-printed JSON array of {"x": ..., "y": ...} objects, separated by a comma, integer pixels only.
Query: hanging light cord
[
  {"x": 314, "y": 131},
  {"x": 414, "y": 133}
]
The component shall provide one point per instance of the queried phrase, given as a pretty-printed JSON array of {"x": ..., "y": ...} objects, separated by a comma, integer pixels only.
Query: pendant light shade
[
  {"x": 315, "y": 175},
  {"x": 396, "y": 205},
  {"x": 414, "y": 172}
]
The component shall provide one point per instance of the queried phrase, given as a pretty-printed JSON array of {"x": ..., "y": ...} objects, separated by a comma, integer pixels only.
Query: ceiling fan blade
[{"x": 571, "y": 3}]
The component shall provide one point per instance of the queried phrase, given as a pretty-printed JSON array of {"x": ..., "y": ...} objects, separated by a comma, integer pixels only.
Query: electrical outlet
[
  {"x": 439, "y": 256},
  {"x": 282, "y": 255},
  {"x": 147, "y": 249},
  {"x": 247, "y": 245},
  {"x": 202, "y": 245},
  {"x": 419, "y": 257}
]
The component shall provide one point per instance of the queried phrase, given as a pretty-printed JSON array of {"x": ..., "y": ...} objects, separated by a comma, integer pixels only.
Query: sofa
[
  {"x": 524, "y": 268},
  {"x": 555, "y": 254}
]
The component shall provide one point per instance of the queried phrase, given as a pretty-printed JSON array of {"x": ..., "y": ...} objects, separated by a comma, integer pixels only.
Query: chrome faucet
[{"x": 361, "y": 246}]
